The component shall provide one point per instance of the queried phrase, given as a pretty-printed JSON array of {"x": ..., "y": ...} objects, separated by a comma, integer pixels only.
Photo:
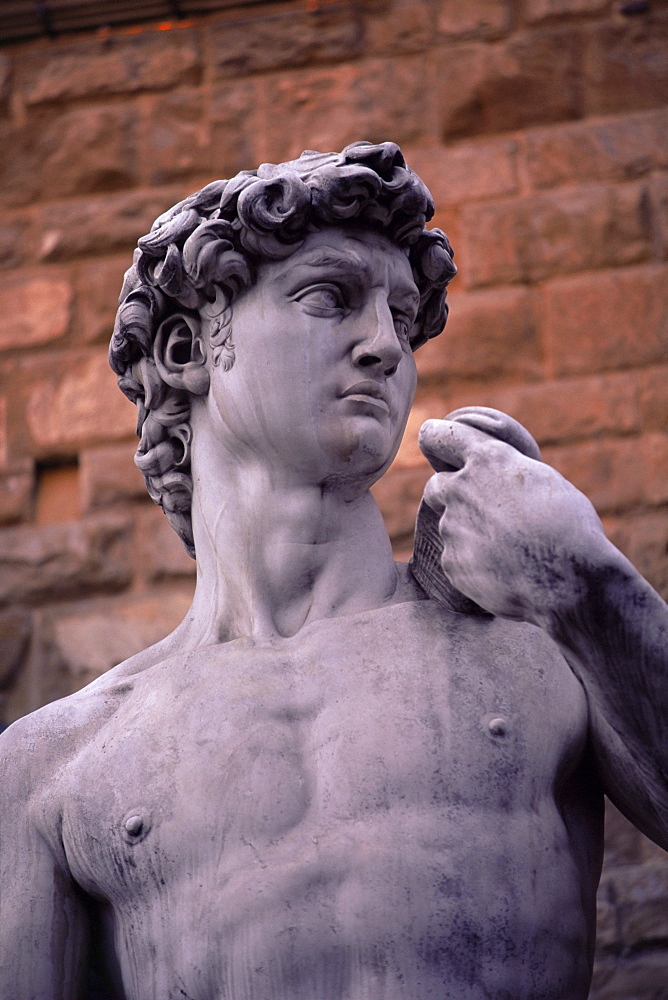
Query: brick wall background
[{"x": 541, "y": 127}]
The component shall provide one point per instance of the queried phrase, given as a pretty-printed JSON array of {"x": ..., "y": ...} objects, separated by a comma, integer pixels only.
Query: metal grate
[{"x": 24, "y": 19}]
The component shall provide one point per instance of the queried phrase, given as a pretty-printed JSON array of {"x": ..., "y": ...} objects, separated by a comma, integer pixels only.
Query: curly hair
[{"x": 205, "y": 251}]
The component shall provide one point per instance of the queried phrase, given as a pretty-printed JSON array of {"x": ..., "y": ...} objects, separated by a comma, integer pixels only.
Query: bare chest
[{"x": 245, "y": 752}]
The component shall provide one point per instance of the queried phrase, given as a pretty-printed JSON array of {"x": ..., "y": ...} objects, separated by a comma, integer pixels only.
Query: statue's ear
[{"x": 180, "y": 355}]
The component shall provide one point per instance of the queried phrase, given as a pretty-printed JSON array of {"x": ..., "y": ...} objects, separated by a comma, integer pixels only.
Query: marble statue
[{"x": 340, "y": 778}]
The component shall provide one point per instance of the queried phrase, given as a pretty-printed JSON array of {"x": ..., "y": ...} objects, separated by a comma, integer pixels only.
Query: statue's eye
[
  {"x": 402, "y": 325},
  {"x": 323, "y": 298}
]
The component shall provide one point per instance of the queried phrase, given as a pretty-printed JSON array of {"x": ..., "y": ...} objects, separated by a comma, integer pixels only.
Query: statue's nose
[{"x": 379, "y": 348}]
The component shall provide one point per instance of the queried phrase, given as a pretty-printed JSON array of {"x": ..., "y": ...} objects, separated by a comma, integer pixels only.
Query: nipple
[{"x": 135, "y": 825}]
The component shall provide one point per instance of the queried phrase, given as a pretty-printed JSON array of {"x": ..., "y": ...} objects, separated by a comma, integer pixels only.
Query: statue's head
[{"x": 175, "y": 318}]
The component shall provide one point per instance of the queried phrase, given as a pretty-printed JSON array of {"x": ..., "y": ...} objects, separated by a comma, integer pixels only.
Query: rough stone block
[
  {"x": 565, "y": 231},
  {"x": 237, "y": 130},
  {"x": 160, "y": 550},
  {"x": 615, "y": 474},
  {"x": 489, "y": 334},
  {"x": 63, "y": 560},
  {"x": 130, "y": 64},
  {"x": 42, "y": 164},
  {"x": 614, "y": 319},
  {"x": 631, "y": 977},
  {"x": 4, "y": 436},
  {"x": 35, "y": 309},
  {"x": 653, "y": 398},
  {"x": 175, "y": 137},
  {"x": 89, "y": 226},
  {"x": 658, "y": 189},
  {"x": 571, "y": 408},
  {"x": 90, "y": 641},
  {"x": 97, "y": 284},
  {"x": 626, "y": 65},
  {"x": 642, "y": 891},
  {"x": 16, "y": 240},
  {"x": 16, "y": 489},
  {"x": 607, "y": 935},
  {"x": 473, "y": 18},
  {"x": 83, "y": 406},
  {"x": 108, "y": 475},
  {"x": 613, "y": 149},
  {"x": 400, "y": 28},
  {"x": 471, "y": 171},
  {"x": 325, "y": 109},
  {"x": 536, "y": 11},
  {"x": 530, "y": 79},
  {"x": 279, "y": 39}
]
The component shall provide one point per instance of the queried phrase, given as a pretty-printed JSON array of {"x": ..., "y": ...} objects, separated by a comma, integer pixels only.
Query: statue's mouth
[{"x": 368, "y": 391}]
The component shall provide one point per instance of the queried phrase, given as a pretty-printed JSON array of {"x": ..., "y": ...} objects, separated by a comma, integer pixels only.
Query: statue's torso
[{"x": 331, "y": 817}]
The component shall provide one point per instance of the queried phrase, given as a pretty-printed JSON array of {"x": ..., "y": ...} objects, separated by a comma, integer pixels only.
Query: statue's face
[{"x": 324, "y": 375}]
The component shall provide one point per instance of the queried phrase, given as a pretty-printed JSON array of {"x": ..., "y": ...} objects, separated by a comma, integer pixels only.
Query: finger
[
  {"x": 434, "y": 493},
  {"x": 498, "y": 425},
  {"x": 446, "y": 444}
]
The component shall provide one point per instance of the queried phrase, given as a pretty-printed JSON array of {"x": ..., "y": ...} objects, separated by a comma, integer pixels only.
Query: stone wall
[{"x": 540, "y": 126}]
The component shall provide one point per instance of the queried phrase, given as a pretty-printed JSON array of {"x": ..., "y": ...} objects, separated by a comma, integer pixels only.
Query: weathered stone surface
[
  {"x": 35, "y": 309},
  {"x": 632, "y": 977},
  {"x": 615, "y": 319},
  {"x": 284, "y": 38},
  {"x": 468, "y": 171},
  {"x": 564, "y": 231},
  {"x": 108, "y": 475},
  {"x": 642, "y": 891},
  {"x": 16, "y": 239},
  {"x": 96, "y": 286},
  {"x": 176, "y": 137},
  {"x": 531, "y": 79},
  {"x": 15, "y": 633},
  {"x": 658, "y": 209},
  {"x": 616, "y": 474},
  {"x": 570, "y": 408},
  {"x": 82, "y": 406},
  {"x": 323, "y": 108},
  {"x": 626, "y": 65},
  {"x": 400, "y": 28},
  {"x": 536, "y": 11},
  {"x": 490, "y": 333},
  {"x": 4, "y": 449},
  {"x": 160, "y": 550},
  {"x": 474, "y": 18},
  {"x": 653, "y": 398},
  {"x": 44, "y": 166},
  {"x": 63, "y": 560},
  {"x": 237, "y": 124},
  {"x": 99, "y": 225},
  {"x": 145, "y": 62},
  {"x": 16, "y": 489},
  {"x": 613, "y": 149},
  {"x": 90, "y": 640}
]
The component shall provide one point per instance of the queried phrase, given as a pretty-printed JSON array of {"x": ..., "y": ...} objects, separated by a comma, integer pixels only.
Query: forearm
[{"x": 615, "y": 636}]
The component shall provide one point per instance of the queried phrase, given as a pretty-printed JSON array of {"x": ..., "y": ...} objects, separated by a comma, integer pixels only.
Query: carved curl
[{"x": 202, "y": 253}]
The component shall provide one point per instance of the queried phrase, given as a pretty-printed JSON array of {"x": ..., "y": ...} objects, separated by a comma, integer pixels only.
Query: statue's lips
[{"x": 367, "y": 392}]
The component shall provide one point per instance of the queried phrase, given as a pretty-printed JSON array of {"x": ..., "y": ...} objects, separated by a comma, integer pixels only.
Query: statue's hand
[{"x": 517, "y": 537}]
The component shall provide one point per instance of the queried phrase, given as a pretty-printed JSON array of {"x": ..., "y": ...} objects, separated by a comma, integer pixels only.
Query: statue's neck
[{"x": 274, "y": 553}]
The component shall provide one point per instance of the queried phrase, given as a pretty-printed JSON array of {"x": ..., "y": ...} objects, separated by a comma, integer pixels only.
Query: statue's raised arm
[{"x": 523, "y": 543}]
